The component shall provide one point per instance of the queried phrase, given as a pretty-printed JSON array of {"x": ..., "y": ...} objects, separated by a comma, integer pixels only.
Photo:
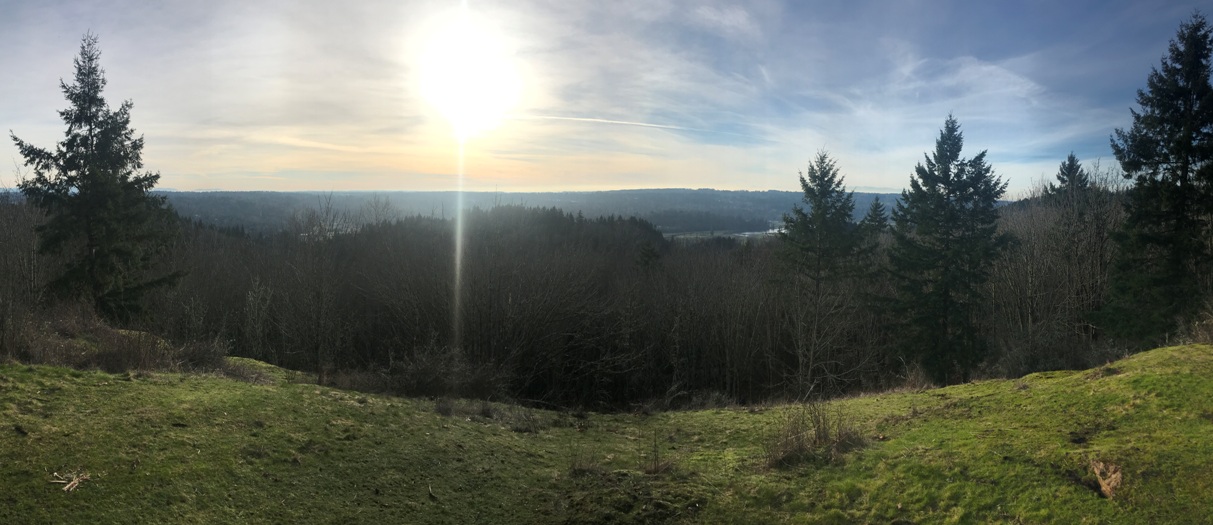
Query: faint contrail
[{"x": 625, "y": 123}]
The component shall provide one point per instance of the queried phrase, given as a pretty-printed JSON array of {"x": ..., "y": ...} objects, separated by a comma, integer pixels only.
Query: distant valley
[{"x": 673, "y": 211}]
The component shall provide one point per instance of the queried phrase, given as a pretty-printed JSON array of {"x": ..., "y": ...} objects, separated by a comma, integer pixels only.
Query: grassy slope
[{"x": 166, "y": 448}]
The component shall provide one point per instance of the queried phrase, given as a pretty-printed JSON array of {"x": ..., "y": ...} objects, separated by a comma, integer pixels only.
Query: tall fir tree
[
  {"x": 1165, "y": 254},
  {"x": 1071, "y": 177},
  {"x": 822, "y": 243},
  {"x": 944, "y": 241},
  {"x": 874, "y": 222},
  {"x": 822, "y": 238},
  {"x": 870, "y": 255},
  {"x": 100, "y": 213}
]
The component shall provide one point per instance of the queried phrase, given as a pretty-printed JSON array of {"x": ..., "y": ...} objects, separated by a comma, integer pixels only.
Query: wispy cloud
[
  {"x": 731, "y": 20},
  {"x": 593, "y": 120}
]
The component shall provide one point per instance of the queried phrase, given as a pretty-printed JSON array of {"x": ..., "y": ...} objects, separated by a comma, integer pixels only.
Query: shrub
[
  {"x": 70, "y": 334},
  {"x": 428, "y": 371},
  {"x": 444, "y": 406},
  {"x": 525, "y": 420},
  {"x": 437, "y": 370},
  {"x": 654, "y": 464},
  {"x": 915, "y": 379},
  {"x": 583, "y": 461},
  {"x": 1200, "y": 329},
  {"x": 204, "y": 355},
  {"x": 810, "y": 431}
]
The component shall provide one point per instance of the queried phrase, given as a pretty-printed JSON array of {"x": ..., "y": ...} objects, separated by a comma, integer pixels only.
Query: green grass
[{"x": 169, "y": 448}]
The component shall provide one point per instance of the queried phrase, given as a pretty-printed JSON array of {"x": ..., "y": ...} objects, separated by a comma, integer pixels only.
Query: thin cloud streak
[{"x": 627, "y": 123}]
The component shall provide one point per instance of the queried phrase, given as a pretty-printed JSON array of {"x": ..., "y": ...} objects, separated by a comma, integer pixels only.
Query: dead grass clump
[
  {"x": 1103, "y": 371},
  {"x": 916, "y": 379},
  {"x": 525, "y": 420},
  {"x": 1108, "y": 475},
  {"x": 912, "y": 379},
  {"x": 583, "y": 461},
  {"x": 811, "y": 431}
]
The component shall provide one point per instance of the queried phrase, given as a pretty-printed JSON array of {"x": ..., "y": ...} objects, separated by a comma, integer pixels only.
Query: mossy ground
[{"x": 171, "y": 448}]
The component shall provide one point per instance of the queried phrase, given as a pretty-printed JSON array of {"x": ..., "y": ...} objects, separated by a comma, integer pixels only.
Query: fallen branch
[{"x": 72, "y": 481}]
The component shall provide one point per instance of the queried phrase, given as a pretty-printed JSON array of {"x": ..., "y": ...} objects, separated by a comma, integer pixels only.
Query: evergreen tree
[
  {"x": 944, "y": 240},
  {"x": 875, "y": 221},
  {"x": 101, "y": 216},
  {"x": 821, "y": 243},
  {"x": 1165, "y": 252},
  {"x": 1071, "y": 177},
  {"x": 871, "y": 259},
  {"x": 821, "y": 239}
]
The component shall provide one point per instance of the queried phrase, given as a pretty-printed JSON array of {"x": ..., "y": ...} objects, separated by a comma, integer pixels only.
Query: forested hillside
[
  {"x": 670, "y": 210},
  {"x": 563, "y": 310}
]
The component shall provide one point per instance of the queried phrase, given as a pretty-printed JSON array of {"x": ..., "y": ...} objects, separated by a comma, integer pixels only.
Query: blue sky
[{"x": 314, "y": 95}]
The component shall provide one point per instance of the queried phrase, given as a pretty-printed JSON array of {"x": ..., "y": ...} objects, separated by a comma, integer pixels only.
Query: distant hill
[{"x": 672, "y": 210}]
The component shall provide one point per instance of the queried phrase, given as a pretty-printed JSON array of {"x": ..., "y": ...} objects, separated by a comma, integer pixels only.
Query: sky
[{"x": 586, "y": 95}]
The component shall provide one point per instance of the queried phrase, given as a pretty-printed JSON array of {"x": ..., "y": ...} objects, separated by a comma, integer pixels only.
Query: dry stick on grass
[{"x": 72, "y": 481}]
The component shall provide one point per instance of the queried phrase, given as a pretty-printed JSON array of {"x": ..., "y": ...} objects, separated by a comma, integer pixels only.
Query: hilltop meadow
[{"x": 252, "y": 443}]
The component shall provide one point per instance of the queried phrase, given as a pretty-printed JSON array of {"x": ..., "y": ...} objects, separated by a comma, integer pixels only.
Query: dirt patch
[
  {"x": 598, "y": 496},
  {"x": 1083, "y": 480},
  {"x": 1088, "y": 432}
]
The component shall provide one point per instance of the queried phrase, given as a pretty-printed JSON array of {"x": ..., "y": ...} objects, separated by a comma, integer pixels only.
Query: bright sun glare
[{"x": 468, "y": 74}]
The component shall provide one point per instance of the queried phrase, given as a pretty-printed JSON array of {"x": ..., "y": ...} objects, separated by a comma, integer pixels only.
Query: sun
[{"x": 468, "y": 74}]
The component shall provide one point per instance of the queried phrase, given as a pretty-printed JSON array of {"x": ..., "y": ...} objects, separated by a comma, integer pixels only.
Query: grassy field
[{"x": 168, "y": 448}]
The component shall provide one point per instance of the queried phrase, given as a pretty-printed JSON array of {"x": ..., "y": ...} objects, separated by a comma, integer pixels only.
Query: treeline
[
  {"x": 679, "y": 221},
  {"x": 553, "y": 307},
  {"x": 672, "y": 210},
  {"x": 559, "y": 309}
]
